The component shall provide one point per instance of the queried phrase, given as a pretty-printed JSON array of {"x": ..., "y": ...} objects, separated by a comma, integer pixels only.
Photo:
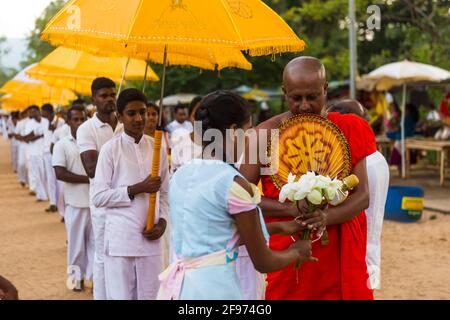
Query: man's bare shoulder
[{"x": 273, "y": 122}]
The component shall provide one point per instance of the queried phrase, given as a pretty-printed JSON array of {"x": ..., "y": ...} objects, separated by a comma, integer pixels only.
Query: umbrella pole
[
  {"x": 403, "y": 132},
  {"x": 145, "y": 76},
  {"x": 123, "y": 76},
  {"x": 157, "y": 150}
]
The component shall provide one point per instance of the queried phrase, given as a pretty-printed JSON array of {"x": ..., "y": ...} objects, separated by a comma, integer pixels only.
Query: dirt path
[
  {"x": 32, "y": 242},
  {"x": 415, "y": 257}
]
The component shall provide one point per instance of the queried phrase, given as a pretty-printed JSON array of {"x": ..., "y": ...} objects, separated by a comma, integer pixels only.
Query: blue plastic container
[{"x": 404, "y": 203}]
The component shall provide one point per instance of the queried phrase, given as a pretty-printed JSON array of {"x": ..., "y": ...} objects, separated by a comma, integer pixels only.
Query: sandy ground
[{"x": 415, "y": 257}]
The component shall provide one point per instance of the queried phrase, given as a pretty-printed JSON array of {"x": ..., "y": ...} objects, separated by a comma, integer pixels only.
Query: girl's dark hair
[{"x": 221, "y": 109}]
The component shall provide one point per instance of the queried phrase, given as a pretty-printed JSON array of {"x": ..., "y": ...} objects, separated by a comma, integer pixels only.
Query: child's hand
[
  {"x": 304, "y": 250},
  {"x": 289, "y": 228},
  {"x": 157, "y": 231}
]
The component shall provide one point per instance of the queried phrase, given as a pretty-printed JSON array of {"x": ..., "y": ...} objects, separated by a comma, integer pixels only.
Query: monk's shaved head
[
  {"x": 305, "y": 85},
  {"x": 304, "y": 67}
]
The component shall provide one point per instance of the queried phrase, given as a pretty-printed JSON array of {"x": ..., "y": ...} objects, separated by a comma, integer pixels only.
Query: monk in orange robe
[{"x": 341, "y": 272}]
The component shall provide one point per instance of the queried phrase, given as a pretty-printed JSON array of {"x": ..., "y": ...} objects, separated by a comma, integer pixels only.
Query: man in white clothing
[
  {"x": 91, "y": 136},
  {"x": 22, "y": 165},
  {"x": 54, "y": 123},
  {"x": 69, "y": 169},
  {"x": 12, "y": 124},
  {"x": 180, "y": 126},
  {"x": 122, "y": 185},
  {"x": 35, "y": 137},
  {"x": 378, "y": 179},
  {"x": 60, "y": 133}
]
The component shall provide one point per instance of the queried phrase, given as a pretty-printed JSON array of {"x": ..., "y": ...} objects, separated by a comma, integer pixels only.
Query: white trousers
[
  {"x": 98, "y": 226},
  {"x": 37, "y": 169},
  {"x": 14, "y": 154},
  {"x": 60, "y": 196},
  {"x": 52, "y": 187},
  {"x": 22, "y": 171},
  {"x": 132, "y": 278},
  {"x": 80, "y": 248}
]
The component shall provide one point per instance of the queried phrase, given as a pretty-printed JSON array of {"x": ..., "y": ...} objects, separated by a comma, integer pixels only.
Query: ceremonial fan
[{"x": 309, "y": 143}]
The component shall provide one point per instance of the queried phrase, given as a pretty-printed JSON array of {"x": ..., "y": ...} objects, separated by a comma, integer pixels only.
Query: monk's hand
[
  {"x": 302, "y": 208},
  {"x": 157, "y": 231},
  {"x": 304, "y": 250},
  {"x": 315, "y": 220}
]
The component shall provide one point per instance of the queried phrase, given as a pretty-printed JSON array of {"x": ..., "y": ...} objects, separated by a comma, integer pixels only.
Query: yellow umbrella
[
  {"x": 156, "y": 30},
  {"x": 76, "y": 69},
  {"x": 79, "y": 63},
  {"x": 26, "y": 88},
  {"x": 19, "y": 101},
  {"x": 78, "y": 84},
  {"x": 142, "y": 29}
]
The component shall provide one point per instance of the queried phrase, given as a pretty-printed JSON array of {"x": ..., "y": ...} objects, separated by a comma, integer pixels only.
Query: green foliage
[
  {"x": 38, "y": 49},
  {"x": 5, "y": 73}
]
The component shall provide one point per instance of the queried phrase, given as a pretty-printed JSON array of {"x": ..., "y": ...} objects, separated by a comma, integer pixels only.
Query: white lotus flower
[
  {"x": 333, "y": 187},
  {"x": 322, "y": 182},
  {"x": 287, "y": 192},
  {"x": 291, "y": 178},
  {"x": 315, "y": 197}
]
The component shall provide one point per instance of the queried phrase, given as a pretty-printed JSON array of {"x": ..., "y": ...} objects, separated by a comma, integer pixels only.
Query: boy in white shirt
[
  {"x": 133, "y": 260},
  {"x": 91, "y": 137},
  {"x": 69, "y": 169}
]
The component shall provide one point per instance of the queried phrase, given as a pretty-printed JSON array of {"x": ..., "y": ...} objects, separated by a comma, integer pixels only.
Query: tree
[
  {"x": 38, "y": 49},
  {"x": 5, "y": 73}
]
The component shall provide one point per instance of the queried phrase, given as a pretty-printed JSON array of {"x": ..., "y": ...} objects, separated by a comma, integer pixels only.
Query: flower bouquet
[{"x": 317, "y": 191}]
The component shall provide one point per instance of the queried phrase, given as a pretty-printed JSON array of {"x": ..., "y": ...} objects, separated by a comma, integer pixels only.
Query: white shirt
[
  {"x": 123, "y": 163},
  {"x": 93, "y": 134},
  {"x": 48, "y": 134},
  {"x": 38, "y": 128},
  {"x": 378, "y": 180},
  {"x": 66, "y": 154},
  {"x": 20, "y": 128},
  {"x": 60, "y": 133},
  {"x": 177, "y": 129},
  {"x": 433, "y": 116},
  {"x": 183, "y": 152}
]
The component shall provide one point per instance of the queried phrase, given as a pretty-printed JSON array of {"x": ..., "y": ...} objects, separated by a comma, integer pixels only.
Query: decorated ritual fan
[{"x": 309, "y": 142}]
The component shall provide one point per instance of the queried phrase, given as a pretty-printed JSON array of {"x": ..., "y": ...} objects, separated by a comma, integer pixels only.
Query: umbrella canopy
[
  {"x": 31, "y": 90},
  {"x": 75, "y": 63},
  {"x": 193, "y": 28},
  {"x": 62, "y": 79},
  {"x": 403, "y": 72},
  {"x": 181, "y": 98},
  {"x": 19, "y": 101}
]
